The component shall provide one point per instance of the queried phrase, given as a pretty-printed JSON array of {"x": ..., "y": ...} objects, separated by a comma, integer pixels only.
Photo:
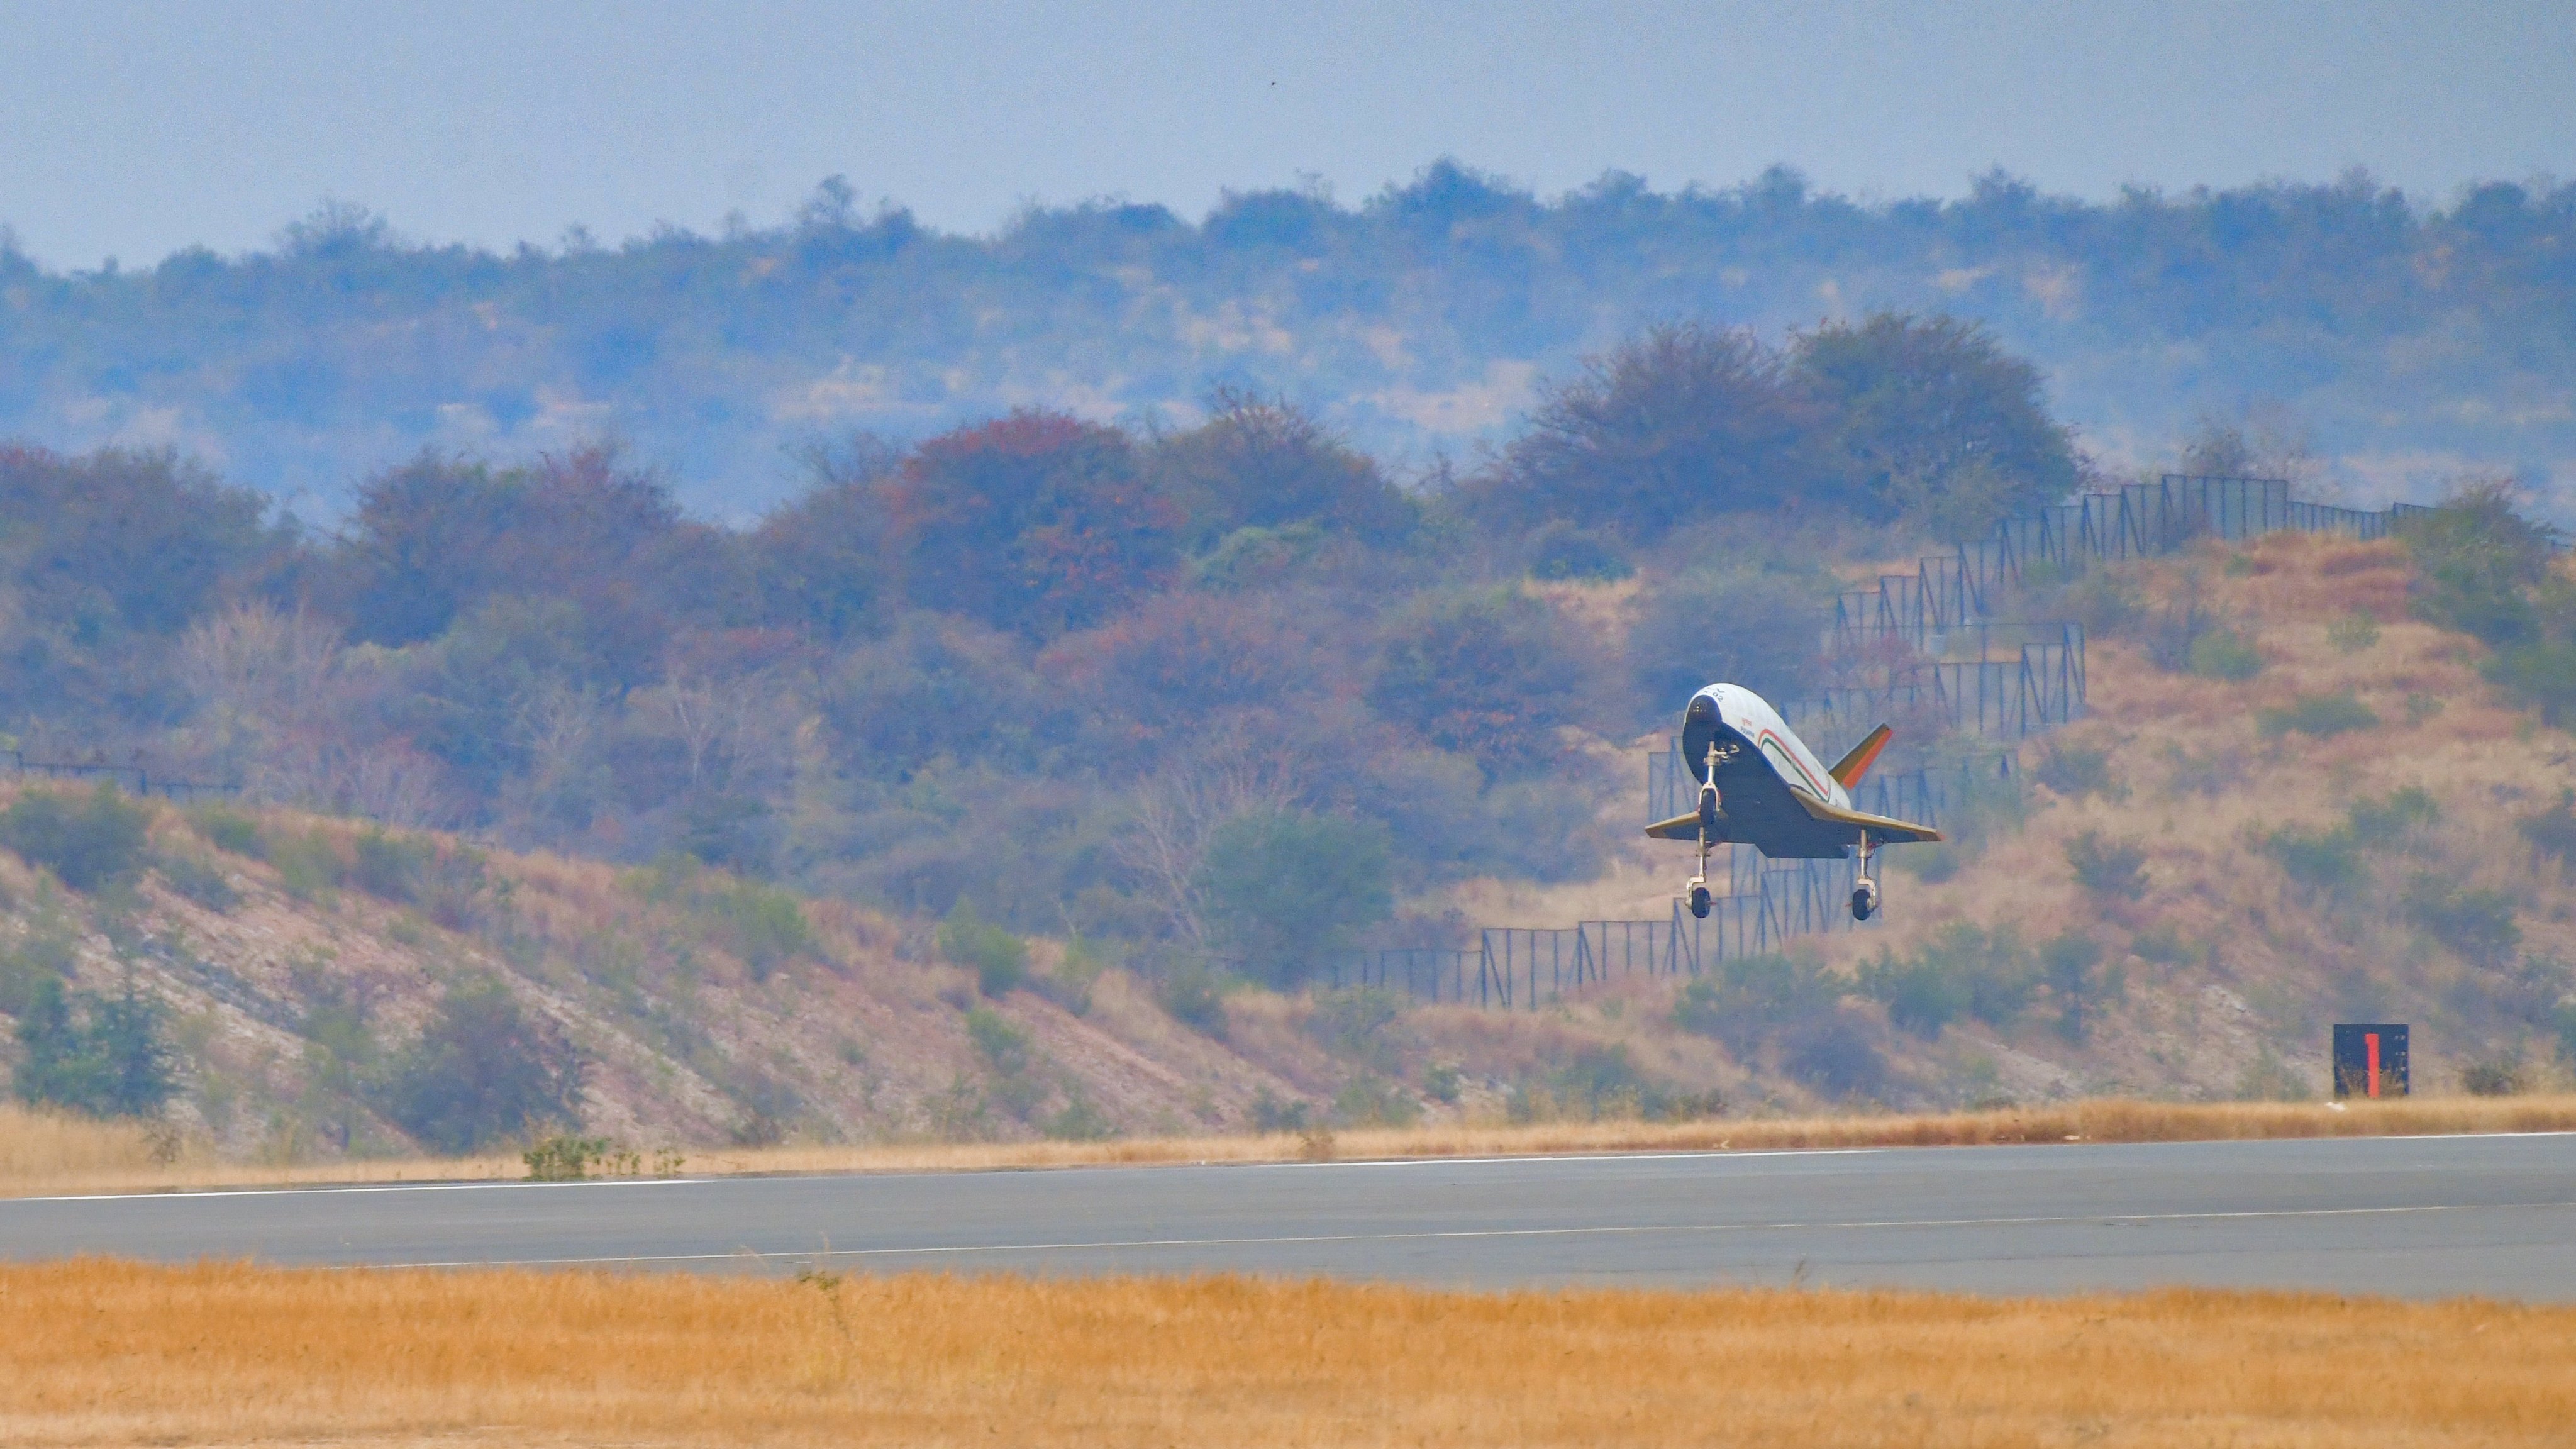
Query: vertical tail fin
[{"x": 1857, "y": 763}]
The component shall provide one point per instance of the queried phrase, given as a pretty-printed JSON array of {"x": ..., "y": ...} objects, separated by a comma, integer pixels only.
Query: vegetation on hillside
[{"x": 2399, "y": 327}]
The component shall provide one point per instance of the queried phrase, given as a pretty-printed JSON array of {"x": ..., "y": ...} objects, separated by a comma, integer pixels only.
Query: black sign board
[{"x": 2370, "y": 1059}]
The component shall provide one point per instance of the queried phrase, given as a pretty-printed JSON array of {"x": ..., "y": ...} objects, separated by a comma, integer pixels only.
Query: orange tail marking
[{"x": 1857, "y": 763}]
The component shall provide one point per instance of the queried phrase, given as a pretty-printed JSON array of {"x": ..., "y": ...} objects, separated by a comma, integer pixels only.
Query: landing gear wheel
[
  {"x": 1865, "y": 900},
  {"x": 1699, "y": 901}
]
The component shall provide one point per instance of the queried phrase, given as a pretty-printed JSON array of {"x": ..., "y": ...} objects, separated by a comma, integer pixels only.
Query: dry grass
[
  {"x": 99, "y": 1353},
  {"x": 41, "y": 1154}
]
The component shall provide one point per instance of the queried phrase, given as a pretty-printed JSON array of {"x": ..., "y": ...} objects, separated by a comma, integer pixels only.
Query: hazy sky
[{"x": 132, "y": 130}]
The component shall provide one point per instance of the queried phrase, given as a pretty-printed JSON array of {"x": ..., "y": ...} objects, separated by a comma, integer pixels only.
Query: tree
[
  {"x": 1488, "y": 673},
  {"x": 2071, "y": 965},
  {"x": 1038, "y": 522},
  {"x": 2476, "y": 563},
  {"x": 1283, "y": 889},
  {"x": 1260, "y": 463},
  {"x": 86, "y": 842},
  {"x": 109, "y": 1060},
  {"x": 1684, "y": 422},
  {"x": 1941, "y": 425},
  {"x": 483, "y": 1071}
]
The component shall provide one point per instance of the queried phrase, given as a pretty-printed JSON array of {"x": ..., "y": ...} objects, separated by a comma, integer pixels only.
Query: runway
[{"x": 2427, "y": 1216}]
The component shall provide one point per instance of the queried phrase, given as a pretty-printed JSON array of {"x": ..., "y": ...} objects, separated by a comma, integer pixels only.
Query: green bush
[
  {"x": 100, "y": 1056},
  {"x": 2077, "y": 980},
  {"x": 1284, "y": 889},
  {"x": 199, "y": 880},
  {"x": 2477, "y": 925},
  {"x": 1369, "y": 1100},
  {"x": 483, "y": 1071},
  {"x": 1079, "y": 1121},
  {"x": 2225, "y": 654},
  {"x": 2476, "y": 562},
  {"x": 2112, "y": 868},
  {"x": 391, "y": 868},
  {"x": 1004, "y": 1047},
  {"x": 87, "y": 842},
  {"x": 2403, "y": 810},
  {"x": 2073, "y": 772},
  {"x": 2353, "y": 632},
  {"x": 1748, "y": 997},
  {"x": 999, "y": 959},
  {"x": 1194, "y": 996},
  {"x": 2329, "y": 860},
  {"x": 2319, "y": 715},
  {"x": 228, "y": 829},
  {"x": 762, "y": 925},
  {"x": 1563, "y": 550},
  {"x": 1960, "y": 970}
]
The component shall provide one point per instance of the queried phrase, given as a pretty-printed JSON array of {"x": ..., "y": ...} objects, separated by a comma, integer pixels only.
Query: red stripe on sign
[{"x": 2370, "y": 1039}]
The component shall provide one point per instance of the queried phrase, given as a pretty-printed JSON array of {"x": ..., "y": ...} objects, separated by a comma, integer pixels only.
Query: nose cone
[{"x": 1702, "y": 708}]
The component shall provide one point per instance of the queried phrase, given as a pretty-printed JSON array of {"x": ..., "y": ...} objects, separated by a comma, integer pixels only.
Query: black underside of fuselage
[{"x": 1756, "y": 806}]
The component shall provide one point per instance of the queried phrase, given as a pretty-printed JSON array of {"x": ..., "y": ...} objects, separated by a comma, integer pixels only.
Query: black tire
[
  {"x": 1861, "y": 905},
  {"x": 1699, "y": 902}
]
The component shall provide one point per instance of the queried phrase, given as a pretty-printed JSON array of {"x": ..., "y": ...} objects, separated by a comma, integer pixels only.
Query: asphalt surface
[{"x": 2438, "y": 1216}]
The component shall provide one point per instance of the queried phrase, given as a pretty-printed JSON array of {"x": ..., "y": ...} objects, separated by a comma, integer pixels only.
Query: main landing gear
[{"x": 1865, "y": 893}]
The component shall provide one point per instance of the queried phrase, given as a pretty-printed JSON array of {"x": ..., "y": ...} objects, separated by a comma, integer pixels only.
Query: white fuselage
[{"x": 1756, "y": 726}]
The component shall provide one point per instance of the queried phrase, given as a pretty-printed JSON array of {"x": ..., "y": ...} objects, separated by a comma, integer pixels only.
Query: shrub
[
  {"x": 1834, "y": 1053},
  {"x": 762, "y": 925},
  {"x": 1562, "y": 550},
  {"x": 2492, "y": 1079},
  {"x": 2353, "y": 632},
  {"x": 2403, "y": 810},
  {"x": 2071, "y": 964},
  {"x": 100, "y": 1056},
  {"x": 2541, "y": 674},
  {"x": 1441, "y": 1081},
  {"x": 2329, "y": 860},
  {"x": 1490, "y": 674},
  {"x": 483, "y": 1070},
  {"x": 1284, "y": 889},
  {"x": 1748, "y": 997},
  {"x": 230, "y": 830},
  {"x": 1194, "y": 996},
  {"x": 198, "y": 880},
  {"x": 565, "y": 1158},
  {"x": 1354, "y": 1022},
  {"x": 2553, "y": 831},
  {"x": 2113, "y": 868},
  {"x": 2072, "y": 772},
  {"x": 1079, "y": 1121},
  {"x": 1960, "y": 970},
  {"x": 999, "y": 959},
  {"x": 1269, "y": 1114},
  {"x": 2319, "y": 715},
  {"x": 47, "y": 952},
  {"x": 1369, "y": 1100},
  {"x": 2475, "y": 563},
  {"x": 1004, "y": 1047},
  {"x": 2478, "y": 925},
  {"x": 391, "y": 868},
  {"x": 2225, "y": 654},
  {"x": 87, "y": 843}
]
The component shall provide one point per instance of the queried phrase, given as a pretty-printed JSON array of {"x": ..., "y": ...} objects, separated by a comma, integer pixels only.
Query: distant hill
[{"x": 2411, "y": 340}]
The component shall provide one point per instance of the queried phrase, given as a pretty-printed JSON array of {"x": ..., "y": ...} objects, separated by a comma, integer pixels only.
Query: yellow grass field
[
  {"x": 96, "y": 1352},
  {"x": 45, "y": 1154}
]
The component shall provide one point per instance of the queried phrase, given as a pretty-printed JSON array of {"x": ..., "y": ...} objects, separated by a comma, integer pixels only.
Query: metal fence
[
  {"x": 133, "y": 779},
  {"x": 2021, "y": 678}
]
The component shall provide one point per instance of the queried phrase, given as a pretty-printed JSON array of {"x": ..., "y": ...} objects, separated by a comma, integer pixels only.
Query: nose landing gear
[{"x": 1708, "y": 808}]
